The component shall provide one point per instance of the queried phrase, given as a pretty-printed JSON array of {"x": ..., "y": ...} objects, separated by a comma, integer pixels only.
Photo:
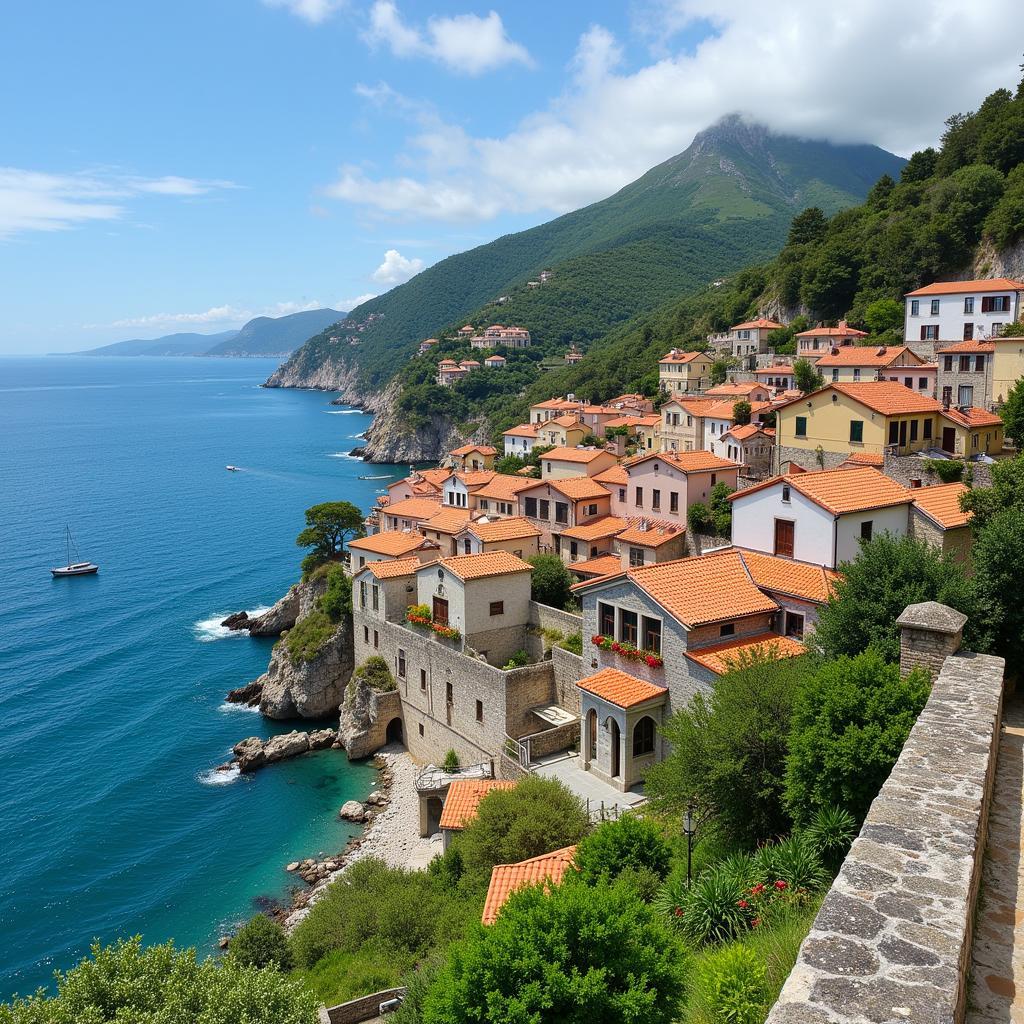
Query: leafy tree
[
  {"x": 998, "y": 552},
  {"x": 741, "y": 412},
  {"x": 261, "y": 942},
  {"x": 720, "y": 509},
  {"x": 579, "y": 955},
  {"x": 1005, "y": 222},
  {"x": 129, "y": 983},
  {"x": 883, "y": 315},
  {"x": 550, "y": 580},
  {"x": 808, "y": 226},
  {"x": 537, "y": 816},
  {"x": 720, "y": 370},
  {"x": 328, "y": 526},
  {"x": 888, "y": 574},
  {"x": 807, "y": 378},
  {"x": 1012, "y": 414},
  {"x": 728, "y": 750},
  {"x": 628, "y": 842},
  {"x": 1013, "y": 330},
  {"x": 1007, "y": 491},
  {"x": 850, "y": 720},
  {"x": 920, "y": 166},
  {"x": 336, "y": 600},
  {"x": 509, "y": 465}
]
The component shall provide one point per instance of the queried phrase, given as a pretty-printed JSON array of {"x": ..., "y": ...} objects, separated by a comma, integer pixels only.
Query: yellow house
[
  {"x": 867, "y": 417},
  {"x": 1007, "y": 366},
  {"x": 968, "y": 430},
  {"x": 562, "y": 432},
  {"x": 473, "y": 457},
  {"x": 683, "y": 372}
]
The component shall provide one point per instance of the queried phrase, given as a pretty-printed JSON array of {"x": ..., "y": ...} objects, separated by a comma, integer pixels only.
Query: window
[
  {"x": 785, "y": 492},
  {"x": 935, "y": 307},
  {"x": 969, "y": 304},
  {"x": 401, "y": 663},
  {"x": 947, "y": 364},
  {"x": 784, "y": 536},
  {"x": 606, "y": 620},
  {"x": 856, "y": 373},
  {"x": 636, "y": 557},
  {"x": 913, "y": 430},
  {"x": 497, "y": 608},
  {"x": 622, "y": 494},
  {"x": 965, "y": 364},
  {"x": 856, "y": 431},
  {"x": 835, "y": 373},
  {"x": 800, "y": 429},
  {"x": 922, "y": 383},
  {"x": 549, "y": 468},
  {"x": 927, "y": 429},
  {"x": 628, "y": 625},
  {"x": 968, "y": 332},
  {"x": 366, "y": 634},
  {"x": 639, "y": 497},
  {"x": 545, "y": 509},
  {"x": 727, "y": 629},
  {"x": 573, "y": 550},
  {"x": 591, "y": 510},
  {"x": 655, "y": 499},
  {"x": 974, "y": 440},
  {"x": 930, "y": 332},
  {"x": 908, "y": 382},
  {"x": 531, "y": 507},
  {"x": 423, "y": 680},
  {"x": 794, "y": 625},
  {"x": 714, "y": 478},
  {"x": 484, "y": 505},
  {"x": 479, "y": 710},
  {"x": 915, "y": 307},
  {"x": 362, "y": 593},
  {"x": 421, "y": 728},
  {"x": 866, "y": 529},
  {"x": 376, "y": 597},
  {"x": 995, "y": 304},
  {"x": 979, "y": 363},
  {"x": 561, "y": 512},
  {"x": 965, "y": 395},
  {"x": 376, "y": 639},
  {"x": 673, "y": 501},
  {"x": 362, "y": 561},
  {"x": 643, "y": 737},
  {"x": 947, "y": 394},
  {"x": 449, "y": 694},
  {"x": 652, "y": 635}
]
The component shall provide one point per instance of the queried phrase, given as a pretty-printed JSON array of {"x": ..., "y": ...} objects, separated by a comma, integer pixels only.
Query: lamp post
[{"x": 689, "y": 827}]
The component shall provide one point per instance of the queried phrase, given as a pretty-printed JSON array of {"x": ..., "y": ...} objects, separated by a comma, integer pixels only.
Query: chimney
[
  {"x": 929, "y": 633},
  {"x": 945, "y": 403},
  {"x": 880, "y": 350},
  {"x": 843, "y": 325}
]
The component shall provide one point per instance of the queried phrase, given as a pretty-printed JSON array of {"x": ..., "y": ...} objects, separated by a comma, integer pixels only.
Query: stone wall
[
  {"x": 807, "y": 458},
  {"x": 357, "y": 1010},
  {"x": 905, "y": 468},
  {"x": 528, "y": 687},
  {"x": 929, "y": 633},
  {"x": 546, "y": 617},
  {"x": 892, "y": 940},
  {"x": 569, "y": 668}
]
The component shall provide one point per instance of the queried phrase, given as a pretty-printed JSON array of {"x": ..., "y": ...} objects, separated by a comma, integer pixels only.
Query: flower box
[{"x": 626, "y": 650}]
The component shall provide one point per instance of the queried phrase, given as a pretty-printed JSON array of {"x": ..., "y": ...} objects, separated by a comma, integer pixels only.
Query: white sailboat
[{"x": 76, "y": 567}]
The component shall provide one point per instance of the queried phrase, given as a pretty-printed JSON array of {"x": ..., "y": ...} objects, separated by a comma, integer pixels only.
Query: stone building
[{"x": 965, "y": 373}]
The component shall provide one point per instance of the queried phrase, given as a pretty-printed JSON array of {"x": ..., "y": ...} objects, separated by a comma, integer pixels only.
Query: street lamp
[{"x": 689, "y": 827}]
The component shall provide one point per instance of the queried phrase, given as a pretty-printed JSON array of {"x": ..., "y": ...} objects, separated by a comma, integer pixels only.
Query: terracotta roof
[
  {"x": 839, "y": 491},
  {"x": 741, "y": 433},
  {"x": 463, "y": 800},
  {"x": 614, "y": 475},
  {"x": 865, "y": 355},
  {"x": 447, "y": 362},
  {"x": 584, "y": 455},
  {"x": 888, "y": 397},
  {"x": 760, "y": 322},
  {"x": 721, "y": 658},
  {"x": 556, "y": 403},
  {"x": 699, "y": 590},
  {"x": 843, "y": 330},
  {"x": 393, "y": 568},
  {"x": 568, "y": 420},
  {"x": 435, "y": 476},
  {"x": 390, "y": 542},
  {"x": 941, "y": 504},
  {"x": 864, "y": 459},
  {"x": 602, "y": 565},
  {"x": 974, "y": 346},
  {"x": 606, "y": 526},
  {"x": 698, "y": 461},
  {"x": 650, "y": 536},
  {"x": 627, "y": 420},
  {"x": 620, "y": 688},
  {"x": 483, "y": 449},
  {"x": 676, "y": 356},
  {"x": 549, "y": 868},
  {"x": 523, "y": 430},
  {"x": 476, "y": 477},
  {"x": 495, "y": 359},
  {"x": 783, "y": 368},
  {"x": 580, "y": 488},
  {"x": 786, "y": 576},
  {"x": 415, "y": 508},
  {"x": 491, "y": 563},
  {"x": 972, "y": 417},
  {"x": 449, "y": 520},
  {"x": 739, "y": 388},
  {"x": 504, "y": 529},
  {"x": 503, "y": 487},
  {"x": 995, "y": 284},
  {"x": 723, "y": 410}
]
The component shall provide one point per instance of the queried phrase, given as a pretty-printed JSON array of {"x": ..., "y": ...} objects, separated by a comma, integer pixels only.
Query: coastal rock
[
  {"x": 277, "y": 619},
  {"x": 249, "y": 694},
  {"x": 290, "y": 744},
  {"x": 240, "y": 620},
  {"x": 377, "y": 799},
  {"x": 321, "y": 739},
  {"x": 364, "y": 718},
  {"x": 250, "y": 754},
  {"x": 352, "y": 810}
]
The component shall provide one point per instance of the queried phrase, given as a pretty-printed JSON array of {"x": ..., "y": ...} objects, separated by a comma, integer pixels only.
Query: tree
[
  {"x": 328, "y": 526},
  {"x": 576, "y": 955},
  {"x": 808, "y": 226},
  {"x": 1012, "y": 414},
  {"x": 550, "y": 580},
  {"x": 883, "y": 315},
  {"x": 628, "y": 842},
  {"x": 537, "y": 816},
  {"x": 261, "y": 942},
  {"x": 720, "y": 509},
  {"x": 126, "y": 982},
  {"x": 741, "y": 412},
  {"x": 1013, "y": 330},
  {"x": 509, "y": 465},
  {"x": 720, "y": 370},
  {"x": 806, "y": 376},
  {"x": 850, "y": 720},
  {"x": 998, "y": 552},
  {"x": 888, "y": 574},
  {"x": 1007, "y": 490},
  {"x": 728, "y": 750}
]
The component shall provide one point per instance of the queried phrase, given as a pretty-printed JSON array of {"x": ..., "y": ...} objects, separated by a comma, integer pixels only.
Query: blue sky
[{"x": 175, "y": 166}]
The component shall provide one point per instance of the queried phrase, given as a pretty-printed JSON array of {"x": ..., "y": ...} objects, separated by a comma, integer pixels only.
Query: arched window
[{"x": 643, "y": 737}]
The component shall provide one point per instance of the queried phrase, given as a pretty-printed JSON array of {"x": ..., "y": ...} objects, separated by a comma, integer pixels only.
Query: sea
[{"x": 112, "y": 713}]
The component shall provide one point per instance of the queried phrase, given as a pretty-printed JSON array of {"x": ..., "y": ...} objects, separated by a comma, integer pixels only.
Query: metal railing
[{"x": 433, "y": 777}]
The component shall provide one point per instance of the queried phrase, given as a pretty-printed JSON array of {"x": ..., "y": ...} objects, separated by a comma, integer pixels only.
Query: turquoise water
[{"x": 112, "y": 687}]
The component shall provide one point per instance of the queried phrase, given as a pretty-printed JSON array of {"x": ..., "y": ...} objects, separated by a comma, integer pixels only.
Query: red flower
[
  {"x": 616, "y": 647},
  {"x": 679, "y": 911},
  {"x": 780, "y": 885},
  {"x": 596, "y": 640},
  {"x": 755, "y": 922},
  {"x": 758, "y": 889},
  {"x": 742, "y": 904}
]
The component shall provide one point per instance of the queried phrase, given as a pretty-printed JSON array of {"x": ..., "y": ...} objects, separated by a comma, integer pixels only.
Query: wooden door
[
  {"x": 440, "y": 611},
  {"x": 949, "y": 439},
  {"x": 784, "y": 535},
  {"x": 614, "y": 740}
]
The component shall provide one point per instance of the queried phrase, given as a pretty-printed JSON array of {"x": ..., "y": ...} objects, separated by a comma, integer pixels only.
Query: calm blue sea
[{"x": 112, "y": 687}]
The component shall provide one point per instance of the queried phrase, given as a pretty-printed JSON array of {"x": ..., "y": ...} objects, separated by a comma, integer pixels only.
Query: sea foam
[
  {"x": 216, "y": 778},
  {"x": 208, "y": 630}
]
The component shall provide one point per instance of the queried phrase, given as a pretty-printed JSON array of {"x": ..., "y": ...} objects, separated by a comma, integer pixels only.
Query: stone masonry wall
[
  {"x": 807, "y": 458},
  {"x": 892, "y": 940},
  {"x": 569, "y": 669}
]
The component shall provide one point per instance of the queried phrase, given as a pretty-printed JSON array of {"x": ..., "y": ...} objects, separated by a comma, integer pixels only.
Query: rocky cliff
[
  {"x": 365, "y": 716},
  {"x": 333, "y": 374}
]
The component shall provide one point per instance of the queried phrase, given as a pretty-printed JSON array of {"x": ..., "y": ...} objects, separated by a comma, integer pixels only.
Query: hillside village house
[
  {"x": 818, "y": 341},
  {"x": 750, "y": 338},
  {"x": 391, "y": 545},
  {"x": 495, "y": 362},
  {"x": 555, "y": 504},
  {"x": 780, "y": 377},
  {"x": 720, "y": 417},
  {"x": 562, "y": 462},
  {"x": 965, "y": 373},
  {"x": 937, "y": 518},
  {"x": 886, "y": 362},
  {"x": 496, "y": 334},
  {"x": 682, "y": 423},
  {"x": 573, "y": 356},
  {"x": 516, "y": 534},
  {"x": 462, "y": 804},
  {"x": 962, "y": 310},
  {"x": 682, "y": 372},
  {"x": 750, "y": 446},
  {"x": 520, "y": 440},
  {"x": 969, "y": 432},
  {"x": 1007, "y": 367},
  {"x": 562, "y": 432},
  {"x": 819, "y": 518},
  {"x": 426, "y": 345},
  {"x": 665, "y": 484},
  {"x": 749, "y": 390},
  {"x": 590, "y": 540},
  {"x": 449, "y": 371},
  {"x": 500, "y": 495},
  {"x": 420, "y": 483},
  {"x": 473, "y": 457},
  {"x": 461, "y": 487},
  {"x": 553, "y": 407},
  {"x": 409, "y": 513}
]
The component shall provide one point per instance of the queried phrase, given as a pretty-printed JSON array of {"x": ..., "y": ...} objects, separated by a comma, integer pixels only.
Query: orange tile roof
[
  {"x": 676, "y": 356},
  {"x": 577, "y": 488},
  {"x": 463, "y": 800},
  {"x": 549, "y": 868},
  {"x": 620, "y": 688},
  {"x": 839, "y": 491},
  {"x": 649, "y": 536},
  {"x": 483, "y": 449},
  {"x": 476, "y": 477},
  {"x": 888, "y": 397},
  {"x": 523, "y": 430},
  {"x": 602, "y": 565},
  {"x": 585, "y": 455},
  {"x": 627, "y": 420},
  {"x": 568, "y": 420},
  {"x": 393, "y": 568},
  {"x": 973, "y": 346},
  {"x": 556, "y": 403},
  {"x": 449, "y": 520},
  {"x": 941, "y": 504},
  {"x": 760, "y": 322},
  {"x": 697, "y": 461},
  {"x": 865, "y": 459},
  {"x": 490, "y": 563},
  {"x": 786, "y": 576},
  {"x": 865, "y": 355},
  {"x": 721, "y": 658},
  {"x": 739, "y": 388},
  {"x": 741, "y": 433},
  {"x": 698, "y": 590},
  {"x": 783, "y": 368},
  {"x": 513, "y": 528},
  {"x": 606, "y": 526},
  {"x": 994, "y": 284},
  {"x": 503, "y": 487},
  {"x": 972, "y": 417},
  {"x": 390, "y": 542},
  {"x": 614, "y": 475},
  {"x": 415, "y": 508},
  {"x": 843, "y": 330},
  {"x": 435, "y": 476}
]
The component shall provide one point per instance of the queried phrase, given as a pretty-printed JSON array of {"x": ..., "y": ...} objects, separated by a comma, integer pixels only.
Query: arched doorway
[
  {"x": 591, "y": 735},
  {"x": 613, "y": 737},
  {"x": 394, "y": 731},
  {"x": 643, "y": 737}
]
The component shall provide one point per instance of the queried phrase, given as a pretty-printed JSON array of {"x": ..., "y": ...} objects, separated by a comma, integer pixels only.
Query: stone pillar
[{"x": 929, "y": 633}]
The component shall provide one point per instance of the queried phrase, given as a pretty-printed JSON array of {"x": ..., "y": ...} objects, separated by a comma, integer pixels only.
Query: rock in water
[
  {"x": 250, "y": 754},
  {"x": 321, "y": 739},
  {"x": 282, "y": 616},
  {"x": 240, "y": 620},
  {"x": 249, "y": 694},
  {"x": 377, "y": 799},
  {"x": 352, "y": 810},
  {"x": 277, "y": 748}
]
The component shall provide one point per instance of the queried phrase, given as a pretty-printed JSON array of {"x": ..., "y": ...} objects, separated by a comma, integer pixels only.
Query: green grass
[
  {"x": 308, "y": 637},
  {"x": 340, "y": 976}
]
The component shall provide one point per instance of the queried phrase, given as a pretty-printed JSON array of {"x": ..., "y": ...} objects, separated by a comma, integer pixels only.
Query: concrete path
[
  {"x": 592, "y": 790},
  {"x": 996, "y": 989}
]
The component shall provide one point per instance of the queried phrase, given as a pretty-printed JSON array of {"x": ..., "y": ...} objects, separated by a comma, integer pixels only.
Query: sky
[{"x": 184, "y": 165}]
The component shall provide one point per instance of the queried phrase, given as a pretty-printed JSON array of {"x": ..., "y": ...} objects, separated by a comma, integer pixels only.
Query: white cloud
[
  {"x": 465, "y": 43},
  {"x": 226, "y": 316},
  {"x": 350, "y": 304},
  {"x": 396, "y": 268},
  {"x": 867, "y": 73},
  {"x": 41, "y": 201},
  {"x": 313, "y": 11}
]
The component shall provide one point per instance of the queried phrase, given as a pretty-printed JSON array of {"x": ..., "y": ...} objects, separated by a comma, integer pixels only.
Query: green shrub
[
  {"x": 573, "y": 642},
  {"x": 376, "y": 674},
  {"x": 261, "y": 942},
  {"x": 518, "y": 660},
  {"x": 550, "y": 580},
  {"x": 451, "y": 762},
  {"x": 831, "y": 833},
  {"x": 629, "y": 842},
  {"x": 308, "y": 637},
  {"x": 709, "y": 910},
  {"x": 338, "y": 977},
  {"x": 336, "y": 600},
  {"x": 947, "y": 470},
  {"x": 793, "y": 861},
  {"x": 699, "y": 517},
  {"x": 734, "y": 978}
]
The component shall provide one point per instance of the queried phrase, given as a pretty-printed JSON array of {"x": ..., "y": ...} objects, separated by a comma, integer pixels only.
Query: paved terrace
[{"x": 598, "y": 795}]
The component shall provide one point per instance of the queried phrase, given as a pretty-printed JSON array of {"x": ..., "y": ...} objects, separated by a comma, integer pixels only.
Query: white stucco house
[{"x": 962, "y": 310}]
